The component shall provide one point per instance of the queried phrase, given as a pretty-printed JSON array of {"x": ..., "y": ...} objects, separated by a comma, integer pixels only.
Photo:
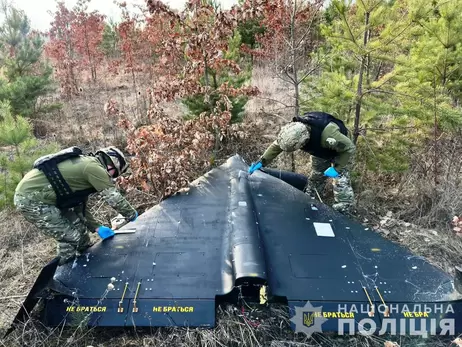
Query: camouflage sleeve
[
  {"x": 333, "y": 139},
  {"x": 115, "y": 199},
  {"x": 90, "y": 221},
  {"x": 271, "y": 152}
]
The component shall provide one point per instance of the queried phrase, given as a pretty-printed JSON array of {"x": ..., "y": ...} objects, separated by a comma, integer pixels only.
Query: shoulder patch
[{"x": 331, "y": 141}]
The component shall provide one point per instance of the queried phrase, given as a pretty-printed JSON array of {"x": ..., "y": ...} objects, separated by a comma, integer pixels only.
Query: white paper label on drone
[
  {"x": 324, "y": 229},
  {"x": 242, "y": 203}
]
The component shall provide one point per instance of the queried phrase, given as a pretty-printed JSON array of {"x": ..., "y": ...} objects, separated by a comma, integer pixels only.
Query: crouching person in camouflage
[
  {"x": 52, "y": 196},
  {"x": 328, "y": 141}
]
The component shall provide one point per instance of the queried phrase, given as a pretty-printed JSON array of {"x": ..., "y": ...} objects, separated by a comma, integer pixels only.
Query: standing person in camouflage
[
  {"x": 329, "y": 142},
  {"x": 52, "y": 196}
]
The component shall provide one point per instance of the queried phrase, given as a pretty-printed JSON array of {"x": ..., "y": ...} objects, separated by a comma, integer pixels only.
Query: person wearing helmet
[
  {"x": 52, "y": 196},
  {"x": 329, "y": 142}
]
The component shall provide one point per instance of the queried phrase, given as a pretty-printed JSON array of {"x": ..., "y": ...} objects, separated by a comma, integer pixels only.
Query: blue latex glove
[
  {"x": 254, "y": 167},
  {"x": 331, "y": 172},
  {"x": 105, "y": 232},
  {"x": 134, "y": 218}
]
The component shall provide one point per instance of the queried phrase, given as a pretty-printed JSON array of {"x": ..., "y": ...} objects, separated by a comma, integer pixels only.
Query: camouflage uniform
[
  {"x": 36, "y": 200},
  {"x": 333, "y": 139}
]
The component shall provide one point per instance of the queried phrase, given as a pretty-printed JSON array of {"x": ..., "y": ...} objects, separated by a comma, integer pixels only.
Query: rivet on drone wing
[
  {"x": 113, "y": 279},
  {"x": 380, "y": 282},
  {"x": 343, "y": 266},
  {"x": 375, "y": 266},
  {"x": 153, "y": 264},
  {"x": 384, "y": 282},
  {"x": 366, "y": 229},
  {"x": 414, "y": 267},
  {"x": 307, "y": 218},
  {"x": 330, "y": 220},
  {"x": 347, "y": 228}
]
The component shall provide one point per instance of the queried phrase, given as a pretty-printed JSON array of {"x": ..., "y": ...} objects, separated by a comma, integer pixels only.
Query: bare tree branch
[
  {"x": 309, "y": 28},
  {"x": 308, "y": 73},
  {"x": 274, "y": 100}
]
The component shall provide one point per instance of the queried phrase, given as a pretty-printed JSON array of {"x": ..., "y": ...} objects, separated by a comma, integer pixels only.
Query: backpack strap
[{"x": 65, "y": 197}]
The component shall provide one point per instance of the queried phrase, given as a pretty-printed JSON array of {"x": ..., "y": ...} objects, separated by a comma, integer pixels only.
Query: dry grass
[
  {"x": 82, "y": 120},
  {"x": 276, "y": 98},
  {"x": 256, "y": 328},
  {"x": 23, "y": 253}
]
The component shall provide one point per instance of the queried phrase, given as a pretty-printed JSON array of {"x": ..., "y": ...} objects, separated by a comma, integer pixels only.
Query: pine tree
[
  {"x": 427, "y": 79},
  {"x": 23, "y": 149},
  {"x": 200, "y": 103},
  {"x": 363, "y": 40},
  {"x": 26, "y": 76},
  {"x": 109, "y": 44}
]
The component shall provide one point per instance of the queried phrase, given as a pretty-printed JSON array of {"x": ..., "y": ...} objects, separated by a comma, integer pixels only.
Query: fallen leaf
[
  {"x": 389, "y": 214},
  {"x": 390, "y": 344},
  {"x": 457, "y": 229}
]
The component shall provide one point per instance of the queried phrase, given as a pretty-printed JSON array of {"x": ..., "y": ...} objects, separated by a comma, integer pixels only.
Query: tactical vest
[
  {"x": 318, "y": 122},
  {"x": 65, "y": 197}
]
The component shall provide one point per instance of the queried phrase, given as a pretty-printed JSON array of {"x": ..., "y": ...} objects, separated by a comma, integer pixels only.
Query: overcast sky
[{"x": 37, "y": 10}]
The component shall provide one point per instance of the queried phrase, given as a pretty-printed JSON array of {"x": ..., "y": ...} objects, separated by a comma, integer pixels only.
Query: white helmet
[
  {"x": 114, "y": 156},
  {"x": 293, "y": 136}
]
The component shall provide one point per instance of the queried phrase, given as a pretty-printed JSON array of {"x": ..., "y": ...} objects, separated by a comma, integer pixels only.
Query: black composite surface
[{"x": 230, "y": 231}]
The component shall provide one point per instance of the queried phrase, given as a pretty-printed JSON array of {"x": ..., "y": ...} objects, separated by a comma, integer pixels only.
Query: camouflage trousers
[
  {"x": 343, "y": 192},
  {"x": 65, "y": 226}
]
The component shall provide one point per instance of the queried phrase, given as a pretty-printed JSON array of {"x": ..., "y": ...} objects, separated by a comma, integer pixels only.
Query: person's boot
[
  {"x": 66, "y": 252},
  {"x": 344, "y": 208},
  {"x": 309, "y": 190}
]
